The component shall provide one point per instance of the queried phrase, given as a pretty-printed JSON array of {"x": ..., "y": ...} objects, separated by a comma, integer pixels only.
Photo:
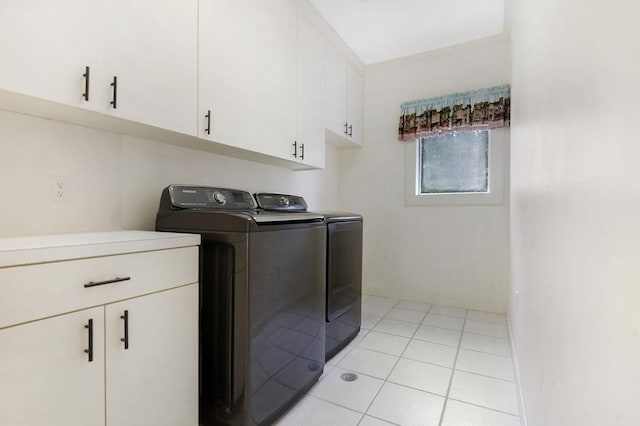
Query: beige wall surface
[
  {"x": 575, "y": 209},
  {"x": 457, "y": 255},
  {"x": 114, "y": 181}
]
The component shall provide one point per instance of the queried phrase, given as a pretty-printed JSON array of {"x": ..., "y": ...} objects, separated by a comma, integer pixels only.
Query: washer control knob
[
  {"x": 284, "y": 201},
  {"x": 219, "y": 198}
]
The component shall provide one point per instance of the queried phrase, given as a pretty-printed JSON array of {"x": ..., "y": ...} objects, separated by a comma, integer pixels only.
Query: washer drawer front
[{"x": 37, "y": 291}]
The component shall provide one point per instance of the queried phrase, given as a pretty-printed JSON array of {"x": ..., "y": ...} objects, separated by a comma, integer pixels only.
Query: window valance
[{"x": 473, "y": 110}]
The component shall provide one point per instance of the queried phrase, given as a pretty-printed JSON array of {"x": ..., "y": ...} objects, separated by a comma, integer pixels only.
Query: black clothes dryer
[
  {"x": 262, "y": 301},
  {"x": 344, "y": 279},
  {"x": 344, "y": 268}
]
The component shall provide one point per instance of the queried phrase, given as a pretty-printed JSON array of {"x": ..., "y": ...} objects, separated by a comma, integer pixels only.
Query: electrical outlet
[{"x": 59, "y": 188}]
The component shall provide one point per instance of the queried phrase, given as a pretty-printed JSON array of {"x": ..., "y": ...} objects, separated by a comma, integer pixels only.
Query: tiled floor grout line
[
  {"x": 486, "y": 408},
  {"x": 462, "y": 332},
  {"x": 487, "y": 376},
  {"x": 333, "y": 403},
  {"x": 453, "y": 370},
  {"x": 435, "y": 326},
  {"x": 385, "y": 379},
  {"x": 423, "y": 362},
  {"x": 363, "y": 415},
  {"x": 399, "y": 357},
  {"x": 486, "y": 353},
  {"x": 441, "y": 314},
  {"x": 378, "y": 418},
  {"x": 337, "y": 405},
  {"x": 391, "y": 370},
  {"x": 487, "y": 335}
]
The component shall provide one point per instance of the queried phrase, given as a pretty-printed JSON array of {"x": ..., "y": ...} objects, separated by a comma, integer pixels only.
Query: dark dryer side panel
[
  {"x": 286, "y": 305},
  {"x": 344, "y": 283},
  {"x": 224, "y": 328}
]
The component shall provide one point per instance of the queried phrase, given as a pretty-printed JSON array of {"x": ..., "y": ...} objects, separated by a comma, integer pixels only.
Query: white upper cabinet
[
  {"x": 249, "y": 75},
  {"x": 151, "y": 47},
  {"x": 261, "y": 79},
  {"x": 276, "y": 77},
  {"x": 226, "y": 79},
  {"x": 336, "y": 93},
  {"x": 310, "y": 95},
  {"x": 343, "y": 104},
  {"x": 355, "y": 101},
  {"x": 46, "y": 46}
]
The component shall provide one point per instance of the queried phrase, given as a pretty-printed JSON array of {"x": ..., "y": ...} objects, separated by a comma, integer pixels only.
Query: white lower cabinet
[
  {"x": 100, "y": 330},
  {"x": 46, "y": 378},
  {"x": 151, "y": 381}
]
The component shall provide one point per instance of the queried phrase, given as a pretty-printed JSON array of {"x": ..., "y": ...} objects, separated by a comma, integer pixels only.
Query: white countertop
[{"x": 15, "y": 251}]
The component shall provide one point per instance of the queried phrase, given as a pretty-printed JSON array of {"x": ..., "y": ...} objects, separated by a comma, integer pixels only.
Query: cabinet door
[
  {"x": 155, "y": 380},
  {"x": 336, "y": 90},
  {"x": 354, "y": 105},
  {"x": 310, "y": 93},
  {"x": 227, "y": 65},
  {"x": 276, "y": 77},
  {"x": 151, "y": 46},
  {"x": 45, "y": 375},
  {"x": 46, "y": 46}
]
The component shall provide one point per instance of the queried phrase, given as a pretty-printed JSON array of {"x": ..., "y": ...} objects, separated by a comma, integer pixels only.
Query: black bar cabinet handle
[
  {"x": 114, "y": 102},
  {"x": 302, "y": 151},
  {"x": 89, "y": 350},
  {"x": 125, "y": 339},
  {"x": 208, "y": 117},
  {"x": 97, "y": 283},
  {"x": 351, "y": 130},
  {"x": 346, "y": 124},
  {"x": 85, "y": 95},
  {"x": 295, "y": 149}
]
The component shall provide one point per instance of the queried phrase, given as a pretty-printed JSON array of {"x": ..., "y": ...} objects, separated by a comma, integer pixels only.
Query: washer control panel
[
  {"x": 205, "y": 197},
  {"x": 281, "y": 202}
]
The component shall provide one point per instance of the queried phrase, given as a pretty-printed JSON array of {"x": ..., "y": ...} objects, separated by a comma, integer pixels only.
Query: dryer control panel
[
  {"x": 281, "y": 202},
  {"x": 205, "y": 197}
]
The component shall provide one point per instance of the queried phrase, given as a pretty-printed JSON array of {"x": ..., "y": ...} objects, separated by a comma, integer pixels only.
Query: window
[
  {"x": 456, "y": 168},
  {"x": 454, "y": 163}
]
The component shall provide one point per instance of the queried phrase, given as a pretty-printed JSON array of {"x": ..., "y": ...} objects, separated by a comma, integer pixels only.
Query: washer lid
[
  {"x": 334, "y": 216},
  {"x": 268, "y": 217}
]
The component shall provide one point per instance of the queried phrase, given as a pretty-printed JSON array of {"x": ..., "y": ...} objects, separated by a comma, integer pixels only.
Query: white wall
[
  {"x": 115, "y": 181},
  {"x": 576, "y": 210},
  {"x": 456, "y": 255}
]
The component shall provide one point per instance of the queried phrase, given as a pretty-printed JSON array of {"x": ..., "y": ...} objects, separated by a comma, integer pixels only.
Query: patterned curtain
[{"x": 474, "y": 110}]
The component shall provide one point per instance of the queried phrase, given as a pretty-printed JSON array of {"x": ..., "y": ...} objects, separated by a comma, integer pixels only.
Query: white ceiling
[{"x": 380, "y": 30}]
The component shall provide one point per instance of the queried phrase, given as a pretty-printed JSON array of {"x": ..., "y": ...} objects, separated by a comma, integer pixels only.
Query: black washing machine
[
  {"x": 262, "y": 301},
  {"x": 344, "y": 268}
]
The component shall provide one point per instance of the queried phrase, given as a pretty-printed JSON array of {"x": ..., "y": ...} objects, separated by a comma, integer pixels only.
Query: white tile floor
[{"x": 417, "y": 364}]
